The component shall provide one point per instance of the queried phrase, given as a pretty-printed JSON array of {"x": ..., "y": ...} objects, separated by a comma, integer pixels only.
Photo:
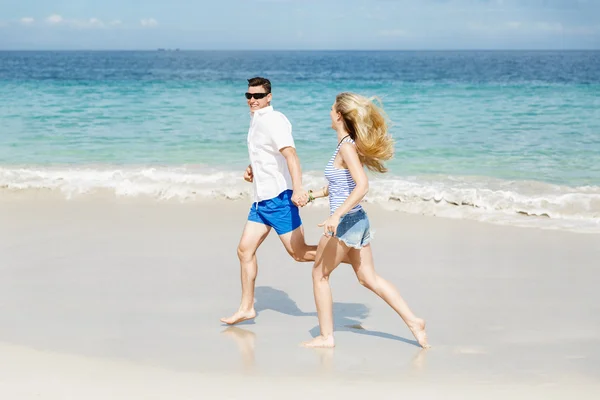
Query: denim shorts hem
[{"x": 355, "y": 246}]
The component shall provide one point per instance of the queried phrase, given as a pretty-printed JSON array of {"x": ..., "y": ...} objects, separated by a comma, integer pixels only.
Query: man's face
[{"x": 257, "y": 104}]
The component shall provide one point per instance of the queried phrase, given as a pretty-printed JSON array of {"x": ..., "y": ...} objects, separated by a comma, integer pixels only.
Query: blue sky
[{"x": 300, "y": 24}]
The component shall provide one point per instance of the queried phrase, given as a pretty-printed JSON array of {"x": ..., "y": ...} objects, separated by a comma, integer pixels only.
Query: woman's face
[{"x": 336, "y": 118}]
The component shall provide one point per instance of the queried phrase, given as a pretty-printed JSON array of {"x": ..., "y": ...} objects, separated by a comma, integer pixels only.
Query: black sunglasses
[{"x": 257, "y": 96}]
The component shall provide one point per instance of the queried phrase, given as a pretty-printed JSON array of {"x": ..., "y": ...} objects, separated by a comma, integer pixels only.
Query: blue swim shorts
[{"x": 279, "y": 213}]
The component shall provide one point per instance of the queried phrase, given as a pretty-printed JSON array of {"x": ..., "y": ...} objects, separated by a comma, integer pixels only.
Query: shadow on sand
[{"x": 347, "y": 316}]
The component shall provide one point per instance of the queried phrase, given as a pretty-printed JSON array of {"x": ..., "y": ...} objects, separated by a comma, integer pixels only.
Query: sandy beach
[{"x": 121, "y": 299}]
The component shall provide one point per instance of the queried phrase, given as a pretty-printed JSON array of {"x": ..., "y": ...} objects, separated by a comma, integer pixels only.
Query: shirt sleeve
[{"x": 280, "y": 130}]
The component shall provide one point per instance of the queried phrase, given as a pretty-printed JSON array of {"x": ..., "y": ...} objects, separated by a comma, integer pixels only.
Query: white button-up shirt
[{"x": 270, "y": 131}]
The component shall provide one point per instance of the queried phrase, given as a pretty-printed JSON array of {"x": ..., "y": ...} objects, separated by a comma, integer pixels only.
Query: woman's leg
[
  {"x": 362, "y": 263},
  {"x": 330, "y": 254}
]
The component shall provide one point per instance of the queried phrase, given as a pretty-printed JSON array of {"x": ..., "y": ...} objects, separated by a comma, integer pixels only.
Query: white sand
[{"x": 122, "y": 300}]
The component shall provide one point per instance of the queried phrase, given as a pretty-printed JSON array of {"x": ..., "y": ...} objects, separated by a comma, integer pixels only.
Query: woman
[{"x": 363, "y": 140}]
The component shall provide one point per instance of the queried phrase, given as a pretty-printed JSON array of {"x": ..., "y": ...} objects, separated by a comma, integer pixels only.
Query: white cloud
[
  {"x": 394, "y": 33},
  {"x": 549, "y": 27},
  {"x": 87, "y": 24},
  {"x": 514, "y": 25},
  {"x": 82, "y": 23},
  {"x": 534, "y": 27},
  {"x": 95, "y": 22},
  {"x": 584, "y": 30},
  {"x": 55, "y": 19},
  {"x": 149, "y": 22}
]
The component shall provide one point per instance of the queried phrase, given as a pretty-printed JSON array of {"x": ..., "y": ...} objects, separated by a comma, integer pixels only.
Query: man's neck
[{"x": 262, "y": 110}]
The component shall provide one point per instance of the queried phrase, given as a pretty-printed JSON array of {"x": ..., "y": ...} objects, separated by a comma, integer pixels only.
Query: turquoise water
[
  {"x": 541, "y": 132},
  {"x": 527, "y": 123}
]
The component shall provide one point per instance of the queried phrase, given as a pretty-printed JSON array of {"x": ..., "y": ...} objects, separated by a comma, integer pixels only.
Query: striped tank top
[{"x": 340, "y": 181}]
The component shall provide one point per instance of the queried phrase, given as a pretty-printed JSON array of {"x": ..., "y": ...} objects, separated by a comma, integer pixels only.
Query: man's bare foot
[
  {"x": 239, "y": 317},
  {"x": 321, "y": 342},
  {"x": 417, "y": 327}
]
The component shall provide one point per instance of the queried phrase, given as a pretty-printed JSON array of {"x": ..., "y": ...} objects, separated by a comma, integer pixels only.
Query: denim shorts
[{"x": 354, "y": 229}]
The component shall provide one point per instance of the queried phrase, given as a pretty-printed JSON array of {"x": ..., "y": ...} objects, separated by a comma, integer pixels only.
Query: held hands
[
  {"x": 300, "y": 197},
  {"x": 309, "y": 197},
  {"x": 248, "y": 174},
  {"x": 330, "y": 225}
]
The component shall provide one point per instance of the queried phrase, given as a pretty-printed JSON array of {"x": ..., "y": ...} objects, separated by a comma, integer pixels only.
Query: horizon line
[{"x": 177, "y": 49}]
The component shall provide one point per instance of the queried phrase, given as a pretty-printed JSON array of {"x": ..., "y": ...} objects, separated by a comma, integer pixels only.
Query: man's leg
[
  {"x": 285, "y": 218},
  {"x": 296, "y": 246},
  {"x": 252, "y": 237}
]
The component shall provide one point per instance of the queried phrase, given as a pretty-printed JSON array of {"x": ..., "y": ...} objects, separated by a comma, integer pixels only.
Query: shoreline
[{"x": 497, "y": 201}]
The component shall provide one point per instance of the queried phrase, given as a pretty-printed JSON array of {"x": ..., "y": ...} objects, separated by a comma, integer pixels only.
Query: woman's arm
[{"x": 323, "y": 192}]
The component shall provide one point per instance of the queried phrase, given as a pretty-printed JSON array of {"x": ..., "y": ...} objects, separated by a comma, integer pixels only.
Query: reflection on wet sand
[{"x": 245, "y": 341}]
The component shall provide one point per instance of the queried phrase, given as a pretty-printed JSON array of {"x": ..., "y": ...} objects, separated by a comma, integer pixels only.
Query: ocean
[{"x": 508, "y": 137}]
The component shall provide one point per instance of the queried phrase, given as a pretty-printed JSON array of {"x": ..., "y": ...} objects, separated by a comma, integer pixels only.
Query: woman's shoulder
[
  {"x": 347, "y": 146},
  {"x": 347, "y": 140}
]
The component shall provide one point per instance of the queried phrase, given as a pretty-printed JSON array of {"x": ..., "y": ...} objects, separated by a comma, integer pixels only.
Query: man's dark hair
[{"x": 258, "y": 81}]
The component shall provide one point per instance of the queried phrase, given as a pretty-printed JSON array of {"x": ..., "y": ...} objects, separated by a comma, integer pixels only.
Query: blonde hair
[{"x": 367, "y": 125}]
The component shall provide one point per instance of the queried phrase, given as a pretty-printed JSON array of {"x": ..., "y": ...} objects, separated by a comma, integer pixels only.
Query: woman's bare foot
[
  {"x": 239, "y": 317},
  {"x": 417, "y": 327},
  {"x": 320, "y": 341}
]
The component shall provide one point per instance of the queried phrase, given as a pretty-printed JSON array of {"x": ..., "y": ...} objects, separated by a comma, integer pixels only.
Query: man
[{"x": 276, "y": 175}]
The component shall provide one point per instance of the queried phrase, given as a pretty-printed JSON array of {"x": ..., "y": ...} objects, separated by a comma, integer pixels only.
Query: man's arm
[
  {"x": 249, "y": 174},
  {"x": 300, "y": 196}
]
